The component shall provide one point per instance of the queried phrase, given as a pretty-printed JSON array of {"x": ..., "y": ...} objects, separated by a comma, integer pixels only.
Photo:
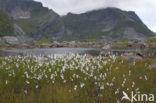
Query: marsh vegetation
[{"x": 73, "y": 79}]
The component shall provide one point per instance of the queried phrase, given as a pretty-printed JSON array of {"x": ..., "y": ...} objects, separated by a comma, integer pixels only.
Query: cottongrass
[{"x": 72, "y": 79}]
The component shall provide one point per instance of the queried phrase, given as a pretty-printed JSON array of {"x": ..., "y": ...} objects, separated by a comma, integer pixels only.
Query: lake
[{"x": 50, "y": 51}]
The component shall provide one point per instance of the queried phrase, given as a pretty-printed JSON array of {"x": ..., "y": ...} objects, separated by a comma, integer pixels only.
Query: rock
[
  {"x": 18, "y": 30},
  {"x": 41, "y": 21},
  {"x": 18, "y": 38},
  {"x": 56, "y": 44},
  {"x": 25, "y": 40},
  {"x": 129, "y": 31},
  {"x": 15, "y": 41},
  {"x": 132, "y": 57},
  {"x": 11, "y": 40},
  {"x": 107, "y": 47},
  {"x": 139, "y": 43},
  {"x": 135, "y": 58},
  {"x": 72, "y": 42},
  {"x": 22, "y": 37},
  {"x": 106, "y": 50},
  {"x": 45, "y": 45},
  {"x": 153, "y": 66}
]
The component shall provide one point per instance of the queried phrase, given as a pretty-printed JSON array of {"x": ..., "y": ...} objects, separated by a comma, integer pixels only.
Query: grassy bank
[
  {"x": 44, "y": 41},
  {"x": 152, "y": 40},
  {"x": 73, "y": 79},
  {"x": 88, "y": 40}
]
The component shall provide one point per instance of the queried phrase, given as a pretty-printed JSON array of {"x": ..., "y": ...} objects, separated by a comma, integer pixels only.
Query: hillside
[
  {"x": 39, "y": 22},
  {"x": 110, "y": 22},
  {"x": 10, "y": 32},
  {"x": 6, "y": 24},
  {"x": 36, "y": 20}
]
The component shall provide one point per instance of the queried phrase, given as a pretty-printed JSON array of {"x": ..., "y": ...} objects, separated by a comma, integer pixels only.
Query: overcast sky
[{"x": 146, "y": 9}]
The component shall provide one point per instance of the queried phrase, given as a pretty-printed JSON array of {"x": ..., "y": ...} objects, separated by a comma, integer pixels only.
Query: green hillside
[{"x": 6, "y": 24}]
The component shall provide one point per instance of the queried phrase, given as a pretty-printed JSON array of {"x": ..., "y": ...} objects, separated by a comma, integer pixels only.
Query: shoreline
[
  {"x": 78, "y": 45},
  {"x": 52, "y": 46}
]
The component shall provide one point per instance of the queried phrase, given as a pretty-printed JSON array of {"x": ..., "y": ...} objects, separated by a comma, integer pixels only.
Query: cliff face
[
  {"x": 111, "y": 22},
  {"x": 18, "y": 9}
]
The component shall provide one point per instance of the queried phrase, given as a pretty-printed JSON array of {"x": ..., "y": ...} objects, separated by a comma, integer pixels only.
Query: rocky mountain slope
[
  {"x": 110, "y": 22},
  {"x": 34, "y": 20},
  {"x": 10, "y": 32}
]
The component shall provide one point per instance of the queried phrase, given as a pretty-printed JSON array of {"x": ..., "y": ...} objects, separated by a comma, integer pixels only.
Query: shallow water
[{"x": 51, "y": 51}]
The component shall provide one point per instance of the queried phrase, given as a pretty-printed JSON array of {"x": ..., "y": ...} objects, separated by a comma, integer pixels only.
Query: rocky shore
[
  {"x": 129, "y": 49},
  {"x": 60, "y": 45},
  {"x": 14, "y": 45}
]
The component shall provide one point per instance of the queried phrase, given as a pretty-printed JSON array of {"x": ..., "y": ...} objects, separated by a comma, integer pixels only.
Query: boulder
[
  {"x": 45, "y": 45},
  {"x": 107, "y": 47},
  {"x": 139, "y": 43},
  {"x": 106, "y": 50},
  {"x": 16, "y": 41},
  {"x": 10, "y": 40},
  {"x": 153, "y": 66}
]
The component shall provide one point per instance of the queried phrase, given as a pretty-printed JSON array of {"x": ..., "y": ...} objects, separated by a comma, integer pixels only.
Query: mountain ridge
[
  {"x": 35, "y": 20},
  {"x": 106, "y": 21},
  {"x": 40, "y": 22}
]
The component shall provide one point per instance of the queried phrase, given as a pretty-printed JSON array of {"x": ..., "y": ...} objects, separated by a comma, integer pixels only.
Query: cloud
[
  {"x": 144, "y": 8},
  {"x": 153, "y": 29}
]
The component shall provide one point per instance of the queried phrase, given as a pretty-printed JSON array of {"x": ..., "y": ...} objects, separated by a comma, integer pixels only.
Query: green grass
[
  {"x": 152, "y": 40},
  {"x": 88, "y": 40},
  {"x": 44, "y": 41},
  {"x": 122, "y": 41},
  {"x": 73, "y": 79}
]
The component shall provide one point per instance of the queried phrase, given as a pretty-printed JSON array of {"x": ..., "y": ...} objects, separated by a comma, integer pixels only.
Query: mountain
[
  {"x": 11, "y": 33},
  {"x": 34, "y": 19},
  {"x": 110, "y": 22}
]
